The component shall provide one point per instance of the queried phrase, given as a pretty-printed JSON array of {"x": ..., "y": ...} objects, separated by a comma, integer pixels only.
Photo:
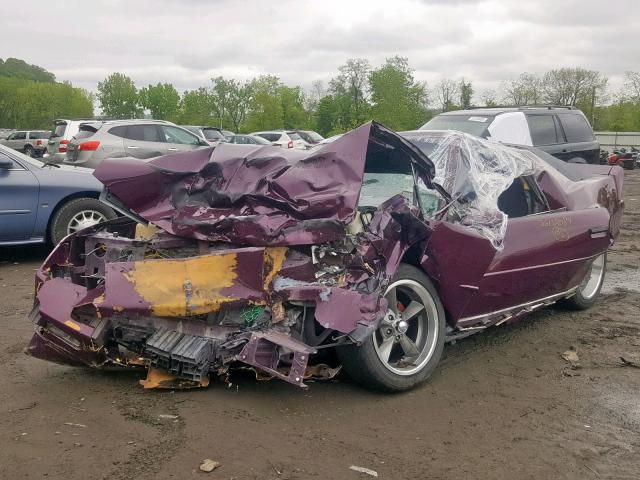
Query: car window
[
  {"x": 471, "y": 124},
  {"x": 543, "y": 129},
  {"x": 38, "y": 135},
  {"x": 293, "y": 136},
  {"x": 59, "y": 130},
  {"x": 576, "y": 128},
  {"x": 143, "y": 133},
  {"x": 212, "y": 134},
  {"x": 177, "y": 135},
  {"x": 258, "y": 140},
  {"x": 311, "y": 136},
  {"x": 119, "y": 131},
  {"x": 272, "y": 137},
  {"x": 11, "y": 137},
  {"x": 16, "y": 165},
  {"x": 20, "y": 136},
  {"x": 380, "y": 187}
]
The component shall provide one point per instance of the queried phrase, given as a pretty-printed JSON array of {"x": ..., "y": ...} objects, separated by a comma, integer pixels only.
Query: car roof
[{"x": 492, "y": 111}]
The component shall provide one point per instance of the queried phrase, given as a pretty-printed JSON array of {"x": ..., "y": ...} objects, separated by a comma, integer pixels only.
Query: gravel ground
[{"x": 503, "y": 404}]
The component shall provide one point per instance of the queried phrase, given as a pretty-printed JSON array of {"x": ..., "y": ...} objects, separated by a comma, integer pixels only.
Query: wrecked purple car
[{"x": 369, "y": 253}]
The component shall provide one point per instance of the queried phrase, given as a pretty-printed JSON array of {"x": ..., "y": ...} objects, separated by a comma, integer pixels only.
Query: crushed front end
[
  {"x": 208, "y": 278},
  {"x": 121, "y": 295}
]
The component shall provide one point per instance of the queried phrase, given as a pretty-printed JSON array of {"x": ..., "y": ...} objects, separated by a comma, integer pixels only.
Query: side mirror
[{"x": 5, "y": 163}]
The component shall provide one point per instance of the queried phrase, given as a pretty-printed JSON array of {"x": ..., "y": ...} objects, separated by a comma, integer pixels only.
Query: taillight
[
  {"x": 290, "y": 144},
  {"x": 39, "y": 142},
  {"x": 613, "y": 159},
  {"x": 62, "y": 148},
  {"x": 90, "y": 146}
]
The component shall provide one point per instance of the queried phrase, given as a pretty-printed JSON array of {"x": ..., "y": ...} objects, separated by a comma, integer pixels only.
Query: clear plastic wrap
[{"x": 475, "y": 172}]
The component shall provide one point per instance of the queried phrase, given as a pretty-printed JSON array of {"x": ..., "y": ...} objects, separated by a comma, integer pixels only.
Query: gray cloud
[{"x": 188, "y": 41}]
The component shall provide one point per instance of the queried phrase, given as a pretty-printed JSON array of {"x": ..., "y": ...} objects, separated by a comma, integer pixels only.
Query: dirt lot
[{"x": 503, "y": 404}]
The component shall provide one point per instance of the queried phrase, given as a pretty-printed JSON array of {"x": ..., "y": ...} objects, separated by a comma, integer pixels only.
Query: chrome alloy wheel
[
  {"x": 408, "y": 335},
  {"x": 84, "y": 219}
]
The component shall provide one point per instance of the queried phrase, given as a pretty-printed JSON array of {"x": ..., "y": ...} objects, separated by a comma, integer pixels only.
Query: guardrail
[{"x": 618, "y": 139}]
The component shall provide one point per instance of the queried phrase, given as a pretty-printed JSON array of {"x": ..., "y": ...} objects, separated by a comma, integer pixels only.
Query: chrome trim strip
[
  {"x": 522, "y": 269},
  {"x": 534, "y": 304}
]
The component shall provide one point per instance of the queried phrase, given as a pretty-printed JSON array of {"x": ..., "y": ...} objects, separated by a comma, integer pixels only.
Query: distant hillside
[{"x": 16, "y": 68}]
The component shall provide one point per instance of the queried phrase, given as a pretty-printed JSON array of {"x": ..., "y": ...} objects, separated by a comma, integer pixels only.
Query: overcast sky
[{"x": 186, "y": 42}]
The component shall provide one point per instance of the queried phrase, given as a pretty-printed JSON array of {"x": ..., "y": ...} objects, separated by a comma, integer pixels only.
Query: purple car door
[{"x": 544, "y": 254}]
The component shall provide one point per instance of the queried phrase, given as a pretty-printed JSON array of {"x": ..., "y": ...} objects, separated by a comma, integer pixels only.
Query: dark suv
[{"x": 564, "y": 132}]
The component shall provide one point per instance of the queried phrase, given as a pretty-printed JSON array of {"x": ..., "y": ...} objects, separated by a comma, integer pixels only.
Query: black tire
[
  {"x": 362, "y": 363},
  {"x": 58, "y": 229},
  {"x": 28, "y": 151},
  {"x": 579, "y": 301}
]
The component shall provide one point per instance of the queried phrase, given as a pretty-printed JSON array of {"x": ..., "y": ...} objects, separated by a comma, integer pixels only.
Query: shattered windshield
[{"x": 379, "y": 187}]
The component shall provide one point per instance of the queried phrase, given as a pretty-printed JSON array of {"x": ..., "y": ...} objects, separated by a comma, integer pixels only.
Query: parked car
[
  {"x": 40, "y": 202},
  {"x": 309, "y": 136},
  {"x": 33, "y": 143},
  {"x": 212, "y": 135},
  {"x": 62, "y": 133},
  {"x": 248, "y": 140},
  {"x": 227, "y": 133},
  {"x": 140, "y": 139},
  {"x": 5, "y": 132},
  {"x": 378, "y": 246},
  {"x": 564, "y": 132},
  {"x": 284, "y": 139},
  {"x": 623, "y": 158}
]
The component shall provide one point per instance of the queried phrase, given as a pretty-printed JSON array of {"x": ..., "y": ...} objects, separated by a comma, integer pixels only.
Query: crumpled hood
[{"x": 255, "y": 195}]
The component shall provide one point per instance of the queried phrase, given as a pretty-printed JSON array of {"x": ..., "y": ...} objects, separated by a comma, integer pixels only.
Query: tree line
[
  {"x": 388, "y": 93},
  {"x": 31, "y": 98}
]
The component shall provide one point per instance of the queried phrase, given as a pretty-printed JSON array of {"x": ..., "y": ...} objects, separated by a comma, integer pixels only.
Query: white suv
[
  {"x": 62, "y": 133},
  {"x": 284, "y": 139}
]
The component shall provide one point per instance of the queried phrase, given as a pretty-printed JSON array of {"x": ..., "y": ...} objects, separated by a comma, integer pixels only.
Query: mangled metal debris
[{"x": 267, "y": 259}]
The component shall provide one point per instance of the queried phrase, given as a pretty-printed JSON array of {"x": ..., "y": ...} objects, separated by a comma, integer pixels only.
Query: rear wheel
[
  {"x": 589, "y": 289},
  {"x": 28, "y": 151},
  {"x": 407, "y": 346},
  {"x": 78, "y": 214}
]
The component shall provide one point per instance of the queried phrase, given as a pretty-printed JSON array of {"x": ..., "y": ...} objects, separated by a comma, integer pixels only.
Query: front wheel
[
  {"x": 407, "y": 346},
  {"x": 78, "y": 214},
  {"x": 588, "y": 291}
]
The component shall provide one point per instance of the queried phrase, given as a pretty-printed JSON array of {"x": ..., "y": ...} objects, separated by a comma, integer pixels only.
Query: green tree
[
  {"x": 27, "y": 104},
  {"x": 231, "y": 100},
  {"x": 196, "y": 108},
  {"x": 466, "y": 94},
  {"x": 118, "y": 97},
  {"x": 526, "y": 89},
  {"x": 265, "y": 107},
  {"x": 398, "y": 101},
  {"x": 446, "y": 92},
  {"x": 294, "y": 114},
  {"x": 350, "y": 93},
  {"x": 16, "y": 68},
  {"x": 325, "y": 116},
  {"x": 162, "y": 100}
]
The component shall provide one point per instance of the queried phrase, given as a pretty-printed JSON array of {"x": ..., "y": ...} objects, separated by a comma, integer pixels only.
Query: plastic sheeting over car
[
  {"x": 475, "y": 172},
  {"x": 270, "y": 196}
]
